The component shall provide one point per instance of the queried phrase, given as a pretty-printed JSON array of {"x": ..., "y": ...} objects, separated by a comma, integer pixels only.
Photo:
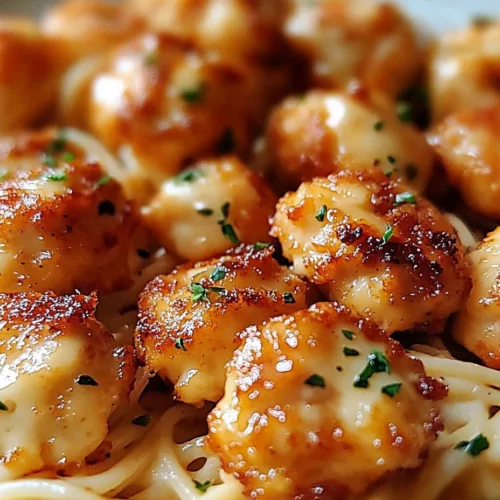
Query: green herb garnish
[
  {"x": 391, "y": 159},
  {"x": 475, "y": 446},
  {"x": 288, "y": 298},
  {"x": 68, "y": 157},
  {"x": 315, "y": 381},
  {"x": 348, "y": 334},
  {"x": 377, "y": 363},
  {"x": 350, "y": 352},
  {"x": 207, "y": 212},
  {"x": 199, "y": 292},
  {"x": 404, "y": 111},
  {"x": 389, "y": 231},
  {"x": 194, "y": 94},
  {"x": 203, "y": 487},
  {"x": 179, "y": 344},
  {"x": 378, "y": 126},
  {"x": 103, "y": 180},
  {"x": 86, "y": 380},
  {"x": 320, "y": 216},
  {"x": 3, "y": 406},
  {"x": 391, "y": 390},
  {"x": 56, "y": 176},
  {"x": 188, "y": 175},
  {"x": 402, "y": 198},
  {"x": 218, "y": 273},
  {"x": 261, "y": 246}
]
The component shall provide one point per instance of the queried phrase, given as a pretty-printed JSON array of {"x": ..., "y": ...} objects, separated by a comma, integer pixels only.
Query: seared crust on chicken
[
  {"x": 64, "y": 224},
  {"x": 189, "y": 319},
  {"x": 322, "y": 404},
  {"x": 376, "y": 247},
  {"x": 61, "y": 379}
]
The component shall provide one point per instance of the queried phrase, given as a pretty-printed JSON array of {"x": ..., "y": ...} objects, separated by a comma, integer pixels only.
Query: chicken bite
[
  {"x": 188, "y": 320},
  {"x": 214, "y": 206},
  {"x": 61, "y": 379},
  {"x": 358, "y": 39},
  {"x": 321, "y": 403},
  {"x": 64, "y": 223},
  {"x": 477, "y": 325},
  {"x": 467, "y": 144},
  {"x": 323, "y": 132},
  {"x": 376, "y": 247}
]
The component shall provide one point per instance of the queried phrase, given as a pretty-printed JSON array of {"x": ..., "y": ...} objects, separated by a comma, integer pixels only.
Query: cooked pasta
[{"x": 233, "y": 261}]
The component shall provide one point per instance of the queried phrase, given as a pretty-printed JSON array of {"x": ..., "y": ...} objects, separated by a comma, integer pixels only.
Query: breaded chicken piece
[
  {"x": 60, "y": 378},
  {"x": 188, "y": 320},
  {"x": 375, "y": 246},
  {"x": 322, "y": 404}
]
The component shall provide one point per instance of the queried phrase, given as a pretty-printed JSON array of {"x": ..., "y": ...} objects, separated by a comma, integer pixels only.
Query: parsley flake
[
  {"x": 391, "y": 390},
  {"x": 199, "y": 292},
  {"x": 86, "y": 380},
  {"x": 402, "y": 198},
  {"x": 188, "y": 175},
  {"x": 3, "y": 406},
  {"x": 207, "y": 212},
  {"x": 350, "y": 352},
  {"x": 348, "y": 334},
  {"x": 475, "y": 446},
  {"x": 377, "y": 363},
  {"x": 229, "y": 232},
  {"x": 142, "y": 420},
  {"x": 315, "y": 381},
  {"x": 389, "y": 231},
  {"x": 379, "y": 126},
  {"x": 203, "y": 487},
  {"x": 56, "y": 176},
  {"x": 219, "y": 273},
  {"x": 320, "y": 216},
  {"x": 404, "y": 111},
  {"x": 68, "y": 157},
  {"x": 194, "y": 94},
  {"x": 103, "y": 180},
  {"x": 225, "y": 209},
  {"x": 48, "y": 160},
  {"x": 261, "y": 246},
  {"x": 391, "y": 159},
  {"x": 179, "y": 344},
  {"x": 288, "y": 298}
]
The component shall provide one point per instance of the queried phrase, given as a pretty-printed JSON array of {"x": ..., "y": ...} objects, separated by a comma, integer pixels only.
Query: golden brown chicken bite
[
  {"x": 188, "y": 320},
  {"x": 477, "y": 325},
  {"x": 356, "y": 39},
  {"x": 463, "y": 69},
  {"x": 322, "y": 404},
  {"x": 376, "y": 247},
  {"x": 161, "y": 103},
  {"x": 322, "y": 132},
  {"x": 468, "y": 146},
  {"x": 61, "y": 380},
  {"x": 29, "y": 74},
  {"x": 210, "y": 208},
  {"x": 87, "y": 27},
  {"x": 64, "y": 223}
]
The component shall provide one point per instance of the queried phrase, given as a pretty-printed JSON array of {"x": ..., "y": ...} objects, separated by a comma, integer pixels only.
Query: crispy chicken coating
[
  {"x": 320, "y": 404},
  {"x": 189, "y": 319},
  {"x": 376, "y": 247},
  {"x": 61, "y": 379}
]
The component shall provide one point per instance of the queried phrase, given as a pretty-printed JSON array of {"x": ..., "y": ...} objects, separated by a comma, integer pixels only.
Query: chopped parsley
[
  {"x": 404, "y": 111},
  {"x": 389, "y": 173},
  {"x": 348, "y": 334},
  {"x": 194, "y": 94},
  {"x": 391, "y": 390},
  {"x": 227, "y": 229},
  {"x": 219, "y": 273},
  {"x": 391, "y": 159},
  {"x": 377, "y": 363},
  {"x": 378, "y": 126},
  {"x": 199, "y": 292},
  {"x": 475, "y": 446},
  {"x": 48, "y": 160},
  {"x": 389, "y": 231},
  {"x": 142, "y": 420},
  {"x": 227, "y": 142},
  {"x": 188, "y": 175},
  {"x": 203, "y": 487},
  {"x": 58, "y": 145},
  {"x": 179, "y": 344},
  {"x": 3, "y": 406},
  {"x": 402, "y": 198},
  {"x": 207, "y": 212},
  {"x": 320, "y": 216},
  {"x": 86, "y": 380},
  {"x": 68, "y": 157},
  {"x": 103, "y": 180},
  {"x": 350, "y": 352},
  {"x": 261, "y": 246},
  {"x": 315, "y": 381},
  {"x": 288, "y": 298},
  {"x": 56, "y": 176}
]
